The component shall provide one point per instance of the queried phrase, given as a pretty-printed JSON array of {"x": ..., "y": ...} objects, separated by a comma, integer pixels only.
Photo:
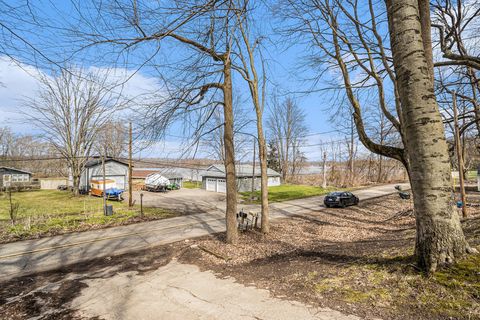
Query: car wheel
[
  {"x": 327, "y": 205},
  {"x": 342, "y": 204}
]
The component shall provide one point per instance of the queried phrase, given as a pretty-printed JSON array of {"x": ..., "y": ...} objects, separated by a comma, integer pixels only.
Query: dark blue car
[{"x": 340, "y": 199}]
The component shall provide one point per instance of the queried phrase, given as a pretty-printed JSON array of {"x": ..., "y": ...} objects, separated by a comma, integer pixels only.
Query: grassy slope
[
  {"x": 287, "y": 192},
  {"x": 52, "y": 211}
]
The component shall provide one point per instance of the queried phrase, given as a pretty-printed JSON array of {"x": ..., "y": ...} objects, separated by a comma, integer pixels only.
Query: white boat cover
[{"x": 155, "y": 180}]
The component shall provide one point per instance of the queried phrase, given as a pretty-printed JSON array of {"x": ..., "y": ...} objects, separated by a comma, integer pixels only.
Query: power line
[{"x": 173, "y": 164}]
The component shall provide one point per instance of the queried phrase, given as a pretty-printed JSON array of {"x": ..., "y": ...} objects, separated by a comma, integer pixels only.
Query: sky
[{"x": 18, "y": 82}]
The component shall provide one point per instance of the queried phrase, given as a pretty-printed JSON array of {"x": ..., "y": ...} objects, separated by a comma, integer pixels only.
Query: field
[
  {"x": 49, "y": 212},
  {"x": 287, "y": 192}
]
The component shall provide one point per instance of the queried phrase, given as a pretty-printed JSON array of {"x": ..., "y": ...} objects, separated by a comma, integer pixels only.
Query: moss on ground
[{"x": 451, "y": 292}]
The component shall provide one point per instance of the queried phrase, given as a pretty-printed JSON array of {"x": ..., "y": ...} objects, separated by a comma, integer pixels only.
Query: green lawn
[
  {"x": 472, "y": 175},
  {"x": 52, "y": 212},
  {"x": 192, "y": 185},
  {"x": 287, "y": 192}
]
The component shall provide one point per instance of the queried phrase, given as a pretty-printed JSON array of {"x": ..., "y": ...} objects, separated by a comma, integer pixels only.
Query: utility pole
[
  {"x": 130, "y": 167},
  {"x": 459, "y": 155},
  {"x": 104, "y": 193},
  {"x": 352, "y": 150},
  {"x": 253, "y": 170}
]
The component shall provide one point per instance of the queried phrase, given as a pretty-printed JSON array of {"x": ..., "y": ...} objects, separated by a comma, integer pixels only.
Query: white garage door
[
  {"x": 221, "y": 185},
  {"x": 211, "y": 184}
]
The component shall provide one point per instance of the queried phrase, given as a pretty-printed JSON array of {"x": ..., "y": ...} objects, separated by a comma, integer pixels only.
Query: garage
[
  {"x": 211, "y": 184},
  {"x": 216, "y": 185},
  {"x": 248, "y": 177}
]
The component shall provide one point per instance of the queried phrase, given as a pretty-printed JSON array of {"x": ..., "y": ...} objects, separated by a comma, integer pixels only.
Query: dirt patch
[{"x": 356, "y": 260}]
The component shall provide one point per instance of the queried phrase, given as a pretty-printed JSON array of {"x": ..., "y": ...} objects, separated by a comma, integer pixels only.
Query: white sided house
[
  {"x": 214, "y": 178},
  {"x": 13, "y": 176},
  {"x": 115, "y": 170}
]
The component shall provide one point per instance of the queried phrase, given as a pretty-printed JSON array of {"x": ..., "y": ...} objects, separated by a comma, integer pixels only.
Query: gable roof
[
  {"x": 242, "y": 170},
  {"x": 18, "y": 170},
  {"x": 98, "y": 161},
  {"x": 169, "y": 173}
]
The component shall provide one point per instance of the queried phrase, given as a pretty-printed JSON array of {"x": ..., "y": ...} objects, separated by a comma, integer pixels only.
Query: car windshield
[{"x": 335, "y": 194}]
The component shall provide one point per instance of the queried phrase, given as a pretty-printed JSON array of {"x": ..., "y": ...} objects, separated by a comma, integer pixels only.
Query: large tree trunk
[
  {"x": 75, "y": 172},
  {"x": 76, "y": 184},
  {"x": 231, "y": 209},
  {"x": 440, "y": 237}
]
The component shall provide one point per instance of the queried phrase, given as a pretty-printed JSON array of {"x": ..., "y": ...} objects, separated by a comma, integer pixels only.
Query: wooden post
[
  {"x": 253, "y": 171},
  {"x": 459, "y": 156},
  {"x": 104, "y": 185},
  {"x": 141, "y": 204},
  {"x": 130, "y": 168}
]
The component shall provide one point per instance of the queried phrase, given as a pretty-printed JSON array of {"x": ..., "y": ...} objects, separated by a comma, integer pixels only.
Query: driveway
[
  {"x": 183, "y": 292},
  {"x": 184, "y": 200}
]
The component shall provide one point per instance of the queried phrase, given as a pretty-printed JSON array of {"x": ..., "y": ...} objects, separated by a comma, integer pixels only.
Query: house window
[{"x": 19, "y": 178}]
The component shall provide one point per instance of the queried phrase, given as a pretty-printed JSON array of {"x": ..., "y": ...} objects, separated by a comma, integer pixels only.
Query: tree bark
[
  {"x": 75, "y": 171},
  {"x": 262, "y": 153},
  {"x": 231, "y": 208},
  {"x": 76, "y": 184},
  {"x": 440, "y": 238},
  {"x": 425, "y": 21}
]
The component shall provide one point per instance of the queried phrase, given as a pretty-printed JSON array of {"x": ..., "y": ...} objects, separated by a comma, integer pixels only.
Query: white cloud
[{"x": 19, "y": 81}]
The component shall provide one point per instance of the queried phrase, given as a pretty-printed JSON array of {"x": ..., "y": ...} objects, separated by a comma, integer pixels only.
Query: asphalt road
[{"x": 31, "y": 256}]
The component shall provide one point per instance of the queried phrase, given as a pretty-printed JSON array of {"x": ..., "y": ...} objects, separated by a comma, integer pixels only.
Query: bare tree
[
  {"x": 286, "y": 127},
  {"x": 191, "y": 38},
  {"x": 248, "y": 52},
  {"x": 70, "y": 109},
  {"x": 456, "y": 23},
  {"x": 201, "y": 36},
  {"x": 353, "y": 44},
  {"x": 6, "y": 142},
  {"x": 112, "y": 137},
  {"x": 213, "y": 139}
]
